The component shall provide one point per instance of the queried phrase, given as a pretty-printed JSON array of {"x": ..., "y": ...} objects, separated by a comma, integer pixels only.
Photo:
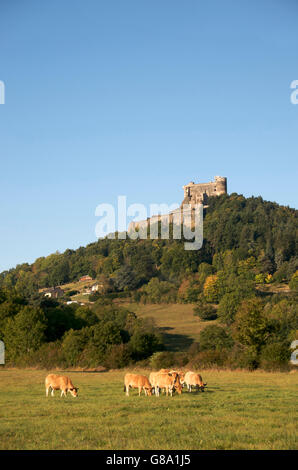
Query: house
[
  {"x": 96, "y": 287},
  {"x": 53, "y": 292},
  {"x": 85, "y": 278}
]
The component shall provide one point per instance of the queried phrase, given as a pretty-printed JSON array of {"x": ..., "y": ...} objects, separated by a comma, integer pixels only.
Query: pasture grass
[
  {"x": 238, "y": 410},
  {"x": 177, "y": 322}
]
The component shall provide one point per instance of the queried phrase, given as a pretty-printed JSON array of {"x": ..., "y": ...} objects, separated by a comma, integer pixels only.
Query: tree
[
  {"x": 25, "y": 332},
  {"x": 211, "y": 288},
  {"x": 228, "y": 306},
  {"x": 251, "y": 327},
  {"x": 73, "y": 345},
  {"x": 143, "y": 345},
  {"x": 294, "y": 282},
  {"x": 214, "y": 337},
  {"x": 125, "y": 279}
]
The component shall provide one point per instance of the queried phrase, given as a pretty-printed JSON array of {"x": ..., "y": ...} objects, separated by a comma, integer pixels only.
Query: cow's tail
[{"x": 124, "y": 388}]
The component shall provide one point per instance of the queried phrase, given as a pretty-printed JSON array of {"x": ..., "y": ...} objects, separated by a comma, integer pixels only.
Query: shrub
[
  {"x": 48, "y": 356},
  {"x": 275, "y": 356},
  {"x": 294, "y": 282},
  {"x": 242, "y": 357},
  {"x": 71, "y": 293},
  {"x": 117, "y": 356},
  {"x": 143, "y": 345},
  {"x": 162, "y": 360},
  {"x": 206, "y": 312},
  {"x": 94, "y": 296},
  {"x": 209, "y": 359},
  {"x": 215, "y": 337}
]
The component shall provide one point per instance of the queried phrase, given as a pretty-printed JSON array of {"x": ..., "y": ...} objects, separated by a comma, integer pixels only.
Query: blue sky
[{"x": 137, "y": 98}]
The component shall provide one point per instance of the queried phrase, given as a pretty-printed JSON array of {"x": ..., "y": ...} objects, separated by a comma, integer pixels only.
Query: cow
[
  {"x": 152, "y": 379},
  {"x": 60, "y": 382},
  {"x": 192, "y": 379},
  {"x": 166, "y": 381},
  {"x": 179, "y": 373},
  {"x": 140, "y": 382}
]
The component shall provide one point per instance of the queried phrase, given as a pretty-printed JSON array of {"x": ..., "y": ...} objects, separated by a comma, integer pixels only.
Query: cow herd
[{"x": 165, "y": 380}]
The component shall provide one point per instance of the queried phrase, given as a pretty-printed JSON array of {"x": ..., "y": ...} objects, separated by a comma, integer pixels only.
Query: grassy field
[
  {"x": 177, "y": 321},
  {"x": 239, "y": 410}
]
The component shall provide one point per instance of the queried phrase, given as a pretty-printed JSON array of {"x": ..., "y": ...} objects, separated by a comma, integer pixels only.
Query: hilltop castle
[
  {"x": 193, "y": 194},
  {"x": 200, "y": 193}
]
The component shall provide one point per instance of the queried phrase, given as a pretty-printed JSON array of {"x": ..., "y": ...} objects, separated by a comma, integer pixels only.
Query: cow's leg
[
  {"x": 52, "y": 392},
  {"x": 127, "y": 390},
  {"x": 47, "y": 391}
]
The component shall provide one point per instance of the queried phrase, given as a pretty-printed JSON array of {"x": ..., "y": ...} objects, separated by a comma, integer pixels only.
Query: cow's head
[
  {"x": 74, "y": 391},
  {"x": 202, "y": 387},
  {"x": 149, "y": 391},
  {"x": 178, "y": 387}
]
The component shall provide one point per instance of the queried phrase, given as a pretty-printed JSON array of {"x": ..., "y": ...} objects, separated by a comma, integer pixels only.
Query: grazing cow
[
  {"x": 179, "y": 373},
  {"x": 60, "y": 382},
  {"x": 166, "y": 381},
  {"x": 192, "y": 379},
  {"x": 140, "y": 382}
]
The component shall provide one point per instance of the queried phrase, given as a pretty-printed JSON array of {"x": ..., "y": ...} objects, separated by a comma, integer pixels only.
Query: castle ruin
[
  {"x": 200, "y": 193},
  {"x": 194, "y": 193}
]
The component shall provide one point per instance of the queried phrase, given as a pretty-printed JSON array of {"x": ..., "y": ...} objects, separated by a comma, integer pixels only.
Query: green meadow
[{"x": 238, "y": 410}]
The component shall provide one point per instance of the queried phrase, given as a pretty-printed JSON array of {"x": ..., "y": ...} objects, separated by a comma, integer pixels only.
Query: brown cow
[
  {"x": 179, "y": 373},
  {"x": 60, "y": 382},
  {"x": 193, "y": 379},
  {"x": 140, "y": 382},
  {"x": 165, "y": 381}
]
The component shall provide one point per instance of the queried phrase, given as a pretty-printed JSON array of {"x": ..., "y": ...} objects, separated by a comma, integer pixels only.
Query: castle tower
[{"x": 221, "y": 185}]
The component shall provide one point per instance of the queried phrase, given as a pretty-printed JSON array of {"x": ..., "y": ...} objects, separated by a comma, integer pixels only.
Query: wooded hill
[
  {"x": 249, "y": 245},
  {"x": 247, "y": 228}
]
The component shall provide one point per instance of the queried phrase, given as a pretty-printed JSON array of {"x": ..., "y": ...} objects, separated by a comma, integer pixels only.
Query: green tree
[
  {"x": 73, "y": 345},
  {"x": 214, "y": 337},
  {"x": 25, "y": 332},
  {"x": 228, "y": 306},
  {"x": 251, "y": 327}
]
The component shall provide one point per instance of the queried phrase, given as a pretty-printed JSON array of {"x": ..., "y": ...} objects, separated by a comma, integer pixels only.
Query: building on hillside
[
  {"x": 97, "y": 287},
  {"x": 53, "y": 292},
  {"x": 85, "y": 278}
]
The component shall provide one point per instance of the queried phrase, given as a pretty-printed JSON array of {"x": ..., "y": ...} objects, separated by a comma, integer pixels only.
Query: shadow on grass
[{"x": 175, "y": 342}]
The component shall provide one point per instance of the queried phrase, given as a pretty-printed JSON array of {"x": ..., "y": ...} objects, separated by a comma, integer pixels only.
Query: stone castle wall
[
  {"x": 200, "y": 193},
  {"x": 193, "y": 194}
]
